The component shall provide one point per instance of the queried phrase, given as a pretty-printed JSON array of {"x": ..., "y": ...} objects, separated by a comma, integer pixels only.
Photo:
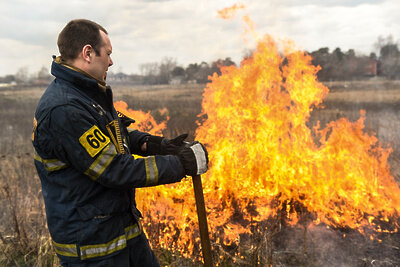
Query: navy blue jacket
[{"x": 87, "y": 183}]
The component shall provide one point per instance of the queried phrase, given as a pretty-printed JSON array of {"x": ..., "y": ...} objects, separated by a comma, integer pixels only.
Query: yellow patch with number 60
[{"x": 93, "y": 140}]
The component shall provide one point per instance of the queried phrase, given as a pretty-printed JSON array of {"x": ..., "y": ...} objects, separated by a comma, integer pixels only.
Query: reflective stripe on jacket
[
  {"x": 87, "y": 181},
  {"x": 98, "y": 250}
]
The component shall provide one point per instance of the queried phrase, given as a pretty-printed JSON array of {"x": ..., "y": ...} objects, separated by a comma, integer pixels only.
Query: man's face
[{"x": 99, "y": 65}]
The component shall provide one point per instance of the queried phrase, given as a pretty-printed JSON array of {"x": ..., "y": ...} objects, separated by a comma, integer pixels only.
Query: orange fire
[
  {"x": 265, "y": 160},
  {"x": 263, "y": 152},
  {"x": 144, "y": 121}
]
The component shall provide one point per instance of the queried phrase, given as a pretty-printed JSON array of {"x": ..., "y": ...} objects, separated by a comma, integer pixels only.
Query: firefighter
[{"x": 83, "y": 155}]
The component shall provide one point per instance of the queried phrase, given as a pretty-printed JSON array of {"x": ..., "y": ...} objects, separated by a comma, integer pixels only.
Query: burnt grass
[
  {"x": 24, "y": 238},
  {"x": 324, "y": 246}
]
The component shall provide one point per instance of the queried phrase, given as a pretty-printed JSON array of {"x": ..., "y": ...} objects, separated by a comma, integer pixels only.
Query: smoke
[{"x": 323, "y": 246}]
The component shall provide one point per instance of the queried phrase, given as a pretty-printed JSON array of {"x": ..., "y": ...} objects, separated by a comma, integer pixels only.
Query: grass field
[{"x": 23, "y": 234}]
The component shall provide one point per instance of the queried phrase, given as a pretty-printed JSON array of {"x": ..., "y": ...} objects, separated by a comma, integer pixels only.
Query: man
[{"x": 83, "y": 158}]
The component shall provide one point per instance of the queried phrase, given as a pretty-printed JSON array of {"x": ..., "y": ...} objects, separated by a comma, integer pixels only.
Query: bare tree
[
  {"x": 150, "y": 72},
  {"x": 22, "y": 75},
  {"x": 44, "y": 74},
  {"x": 147, "y": 69},
  {"x": 389, "y": 56},
  {"x": 166, "y": 67}
]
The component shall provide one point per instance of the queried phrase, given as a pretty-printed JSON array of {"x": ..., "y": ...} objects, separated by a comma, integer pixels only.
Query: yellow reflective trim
[
  {"x": 117, "y": 138},
  {"x": 102, "y": 162},
  {"x": 50, "y": 164},
  {"x": 34, "y": 128},
  {"x": 92, "y": 251},
  {"x": 68, "y": 250},
  {"x": 37, "y": 157},
  {"x": 146, "y": 164},
  {"x": 98, "y": 250},
  {"x": 64, "y": 245},
  {"x": 132, "y": 231},
  {"x": 151, "y": 171},
  {"x": 153, "y": 161}
]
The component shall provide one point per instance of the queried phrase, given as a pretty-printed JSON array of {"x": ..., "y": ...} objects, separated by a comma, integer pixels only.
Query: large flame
[
  {"x": 263, "y": 152},
  {"x": 264, "y": 159}
]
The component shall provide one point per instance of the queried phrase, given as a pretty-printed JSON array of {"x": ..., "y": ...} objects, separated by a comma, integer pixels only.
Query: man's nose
[{"x": 110, "y": 62}]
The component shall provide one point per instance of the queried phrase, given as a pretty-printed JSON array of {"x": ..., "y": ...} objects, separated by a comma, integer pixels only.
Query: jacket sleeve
[
  {"x": 136, "y": 140},
  {"x": 82, "y": 144}
]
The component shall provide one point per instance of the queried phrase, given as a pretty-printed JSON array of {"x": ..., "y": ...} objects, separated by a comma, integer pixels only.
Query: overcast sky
[{"x": 189, "y": 31}]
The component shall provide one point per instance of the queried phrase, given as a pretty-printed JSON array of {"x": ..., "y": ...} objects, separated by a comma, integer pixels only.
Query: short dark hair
[{"x": 76, "y": 34}]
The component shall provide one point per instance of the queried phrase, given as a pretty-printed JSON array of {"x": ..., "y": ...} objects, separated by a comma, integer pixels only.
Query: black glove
[
  {"x": 194, "y": 158},
  {"x": 157, "y": 145}
]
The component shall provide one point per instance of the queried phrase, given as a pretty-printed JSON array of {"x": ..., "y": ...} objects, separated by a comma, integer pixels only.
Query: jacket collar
[{"x": 60, "y": 69}]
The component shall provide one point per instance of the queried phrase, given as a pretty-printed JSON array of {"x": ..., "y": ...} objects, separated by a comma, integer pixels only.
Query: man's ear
[{"x": 87, "y": 52}]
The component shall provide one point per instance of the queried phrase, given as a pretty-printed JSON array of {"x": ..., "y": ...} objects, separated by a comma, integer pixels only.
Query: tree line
[
  {"x": 335, "y": 65},
  {"x": 168, "y": 71},
  {"x": 339, "y": 65}
]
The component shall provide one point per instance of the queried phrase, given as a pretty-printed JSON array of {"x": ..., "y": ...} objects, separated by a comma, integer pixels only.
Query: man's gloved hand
[
  {"x": 194, "y": 158},
  {"x": 157, "y": 145}
]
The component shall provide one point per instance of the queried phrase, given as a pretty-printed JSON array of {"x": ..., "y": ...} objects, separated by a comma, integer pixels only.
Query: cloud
[
  {"x": 352, "y": 25},
  {"x": 188, "y": 30},
  {"x": 16, "y": 54},
  {"x": 331, "y": 3}
]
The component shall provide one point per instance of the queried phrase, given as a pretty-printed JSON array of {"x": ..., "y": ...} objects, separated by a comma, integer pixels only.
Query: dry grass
[
  {"x": 24, "y": 235},
  {"x": 183, "y": 103},
  {"x": 24, "y": 238}
]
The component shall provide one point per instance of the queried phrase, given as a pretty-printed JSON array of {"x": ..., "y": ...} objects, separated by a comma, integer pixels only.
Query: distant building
[
  {"x": 8, "y": 84},
  {"x": 371, "y": 69},
  {"x": 118, "y": 77},
  {"x": 176, "y": 80}
]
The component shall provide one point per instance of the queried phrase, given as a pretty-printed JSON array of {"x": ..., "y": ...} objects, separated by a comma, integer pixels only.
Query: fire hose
[{"x": 202, "y": 217}]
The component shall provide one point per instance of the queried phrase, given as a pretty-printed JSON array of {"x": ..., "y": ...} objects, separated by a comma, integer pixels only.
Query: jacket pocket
[{"x": 101, "y": 233}]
